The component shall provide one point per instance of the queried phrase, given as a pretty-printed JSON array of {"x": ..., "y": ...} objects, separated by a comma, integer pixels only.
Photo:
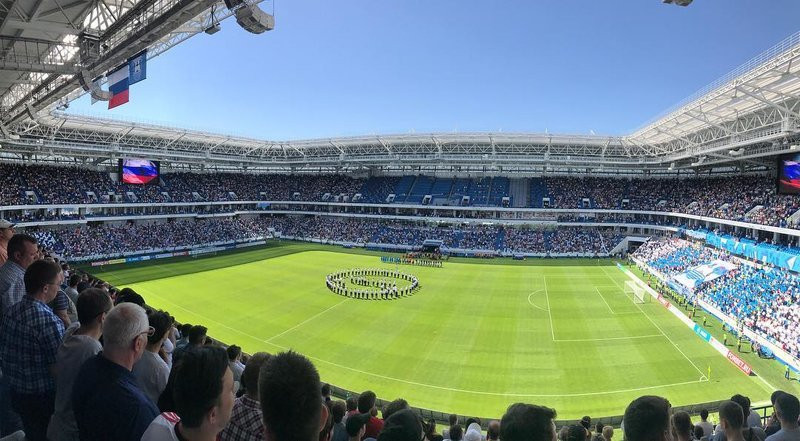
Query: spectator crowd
[
  {"x": 763, "y": 298},
  {"x": 743, "y": 198},
  {"x": 82, "y": 360},
  {"x": 119, "y": 238}
]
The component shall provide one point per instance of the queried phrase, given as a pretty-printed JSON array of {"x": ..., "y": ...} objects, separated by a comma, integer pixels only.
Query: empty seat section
[
  {"x": 441, "y": 191},
  {"x": 377, "y": 188},
  {"x": 481, "y": 192},
  {"x": 422, "y": 186},
  {"x": 403, "y": 189},
  {"x": 500, "y": 187},
  {"x": 459, "y": 190}
]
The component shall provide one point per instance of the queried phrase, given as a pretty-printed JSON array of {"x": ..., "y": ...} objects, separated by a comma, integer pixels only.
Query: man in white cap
[{"x": 6, "y": 233}]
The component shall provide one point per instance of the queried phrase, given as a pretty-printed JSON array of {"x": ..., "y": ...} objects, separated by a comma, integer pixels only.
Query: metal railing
[{"x": 787, "y": 44}]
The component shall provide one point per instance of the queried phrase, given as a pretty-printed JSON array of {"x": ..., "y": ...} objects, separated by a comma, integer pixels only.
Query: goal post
[{"x": 635, "y": 292}]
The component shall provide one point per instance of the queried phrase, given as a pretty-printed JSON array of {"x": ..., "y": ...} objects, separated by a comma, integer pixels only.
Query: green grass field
[{"x": 478, "y": 336}]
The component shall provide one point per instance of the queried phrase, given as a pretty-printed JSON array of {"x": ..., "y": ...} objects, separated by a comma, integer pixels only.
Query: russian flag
[{"x": 118, "y": 86}]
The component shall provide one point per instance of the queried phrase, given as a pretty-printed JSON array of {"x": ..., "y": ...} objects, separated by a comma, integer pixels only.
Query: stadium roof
[
  {"x": 46, "y": 43},
  {"x": 735, "y": 123}
]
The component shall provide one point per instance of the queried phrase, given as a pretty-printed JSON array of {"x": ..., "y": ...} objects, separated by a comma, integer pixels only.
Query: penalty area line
[
  {"x": 702, "y": 375},
  {"x": 609, "y": 306}
]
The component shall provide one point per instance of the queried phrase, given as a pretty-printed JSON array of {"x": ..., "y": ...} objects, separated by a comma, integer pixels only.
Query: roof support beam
[
  {"x": 51, "y": 68},
  {"x": 47, "y": 27},
  {"x": 62, "y": 8},
  {"x": 36, "y": 41},
  {"x": 766, "y": 101},
  {"x": 701, "y": 116}
]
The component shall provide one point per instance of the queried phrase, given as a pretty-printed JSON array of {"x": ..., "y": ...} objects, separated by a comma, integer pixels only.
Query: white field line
[
  {"x": 702, "y": 375},
  {"x": 258, "y": 339},
  {"x": 611, "y": 338},
  {"x": 770, "y": 387},
  {"x": 269, "y": 340},
  {"x": 549, "y": 312},
  {"x": 432, "y": 386},
  {"x": 604, "y": 300},
  {"x": 609, "y": 306}
]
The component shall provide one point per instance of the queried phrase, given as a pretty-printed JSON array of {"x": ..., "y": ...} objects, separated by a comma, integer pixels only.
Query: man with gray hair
[{"x": 106, "y": 399}]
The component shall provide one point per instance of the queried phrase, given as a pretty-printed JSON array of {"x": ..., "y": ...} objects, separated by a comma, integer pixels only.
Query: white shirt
[
  {"x": 237, "y": 368},
  {"x": 708, "y": 428},
  {"x": 74, "y": 350},
  {"x": 162, "y": 428},
  {"x": 152, "y": 374},
  {"x": 754, "y": 420},
  {"x": 785, "y": 435},
  {"x": 169, "y": 348}
]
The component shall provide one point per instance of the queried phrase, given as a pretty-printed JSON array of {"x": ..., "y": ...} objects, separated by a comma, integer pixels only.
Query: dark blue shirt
[{"x": 108, "y": 403}]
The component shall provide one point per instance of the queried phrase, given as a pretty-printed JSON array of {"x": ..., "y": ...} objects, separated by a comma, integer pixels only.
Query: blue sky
[{"x": 354, "y": 67}]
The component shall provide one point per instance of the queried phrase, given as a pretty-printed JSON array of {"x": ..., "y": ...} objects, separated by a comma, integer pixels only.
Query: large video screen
[
  {"x": 138, "y": 171},
  {"x": 789, "y": 174}
]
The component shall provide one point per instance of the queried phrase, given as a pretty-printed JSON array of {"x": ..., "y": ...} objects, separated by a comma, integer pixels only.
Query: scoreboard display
[{"x": 138, "y": 171}]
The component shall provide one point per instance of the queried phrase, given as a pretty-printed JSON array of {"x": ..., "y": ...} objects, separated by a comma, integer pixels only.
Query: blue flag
[{"x": 137, "y": 67}]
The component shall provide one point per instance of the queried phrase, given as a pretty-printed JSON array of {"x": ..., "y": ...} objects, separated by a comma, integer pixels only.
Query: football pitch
[{"x": 476, "y": 337}]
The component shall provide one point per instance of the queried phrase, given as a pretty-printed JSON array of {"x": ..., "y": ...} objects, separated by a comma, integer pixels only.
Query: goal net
[{"x": 635, "y": 292}]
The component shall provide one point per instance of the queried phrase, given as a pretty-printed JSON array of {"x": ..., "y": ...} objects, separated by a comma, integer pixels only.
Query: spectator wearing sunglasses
[{"x": 107, "y": 400}]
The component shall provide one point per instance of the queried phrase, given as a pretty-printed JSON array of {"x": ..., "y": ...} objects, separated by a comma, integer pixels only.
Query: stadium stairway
[
  {"x": 519, "y": 192},
  {"x": 794, "y": 219}
]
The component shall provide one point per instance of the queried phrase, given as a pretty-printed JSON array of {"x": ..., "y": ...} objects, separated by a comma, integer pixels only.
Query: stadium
[{"x": 446, "y": 272}]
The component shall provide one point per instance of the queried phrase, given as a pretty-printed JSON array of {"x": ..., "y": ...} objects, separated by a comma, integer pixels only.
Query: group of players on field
[{"x": 368, "y": 278}]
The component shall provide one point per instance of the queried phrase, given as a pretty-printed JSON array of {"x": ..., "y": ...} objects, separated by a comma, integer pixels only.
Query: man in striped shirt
[{"x": 246, "y": 422}]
